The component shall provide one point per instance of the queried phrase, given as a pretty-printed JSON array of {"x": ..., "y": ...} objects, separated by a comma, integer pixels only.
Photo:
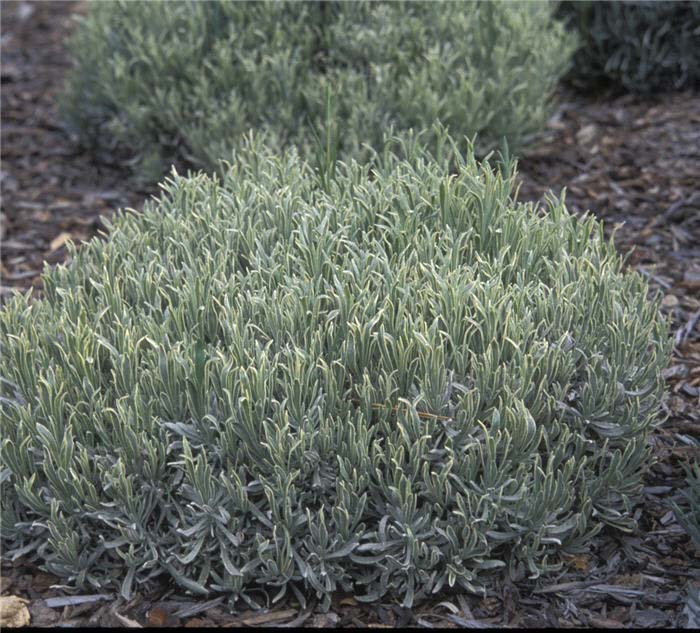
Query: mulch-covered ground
[{"x": 632, "y": 162}]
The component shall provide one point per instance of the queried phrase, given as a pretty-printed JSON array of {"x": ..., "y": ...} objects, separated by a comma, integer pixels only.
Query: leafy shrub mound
[
  {"x": 639, "y": 46},
  {"x": 388, "y": 381},
  {"x": 183, "y": 81}
]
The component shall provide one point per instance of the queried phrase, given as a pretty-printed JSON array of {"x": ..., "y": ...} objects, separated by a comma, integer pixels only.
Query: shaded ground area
[{"x": 628, "y": 160}]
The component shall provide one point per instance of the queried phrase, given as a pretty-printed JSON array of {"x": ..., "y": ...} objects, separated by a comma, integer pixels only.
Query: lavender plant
[
  {"x": 184, "y": 81},
  {"x": 389, "y": 381},
  {"x": 643, "y": 47}
]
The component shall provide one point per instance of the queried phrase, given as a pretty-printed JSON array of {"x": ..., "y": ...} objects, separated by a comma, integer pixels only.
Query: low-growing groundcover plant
[
  {"x": 184, "y": 81},
  {"x": 387, "y": 381},
  {"x": 638, "y": 46}
]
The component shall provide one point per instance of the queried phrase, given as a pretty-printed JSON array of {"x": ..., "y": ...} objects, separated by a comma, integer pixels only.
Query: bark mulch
[{"x": 630, "y": 161}]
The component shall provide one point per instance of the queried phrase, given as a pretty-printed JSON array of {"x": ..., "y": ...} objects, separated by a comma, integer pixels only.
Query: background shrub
[
  {"x": 382, "y": 382},
  {"x": 184, "y": 80},
  {"x": 638, "y": 46}
]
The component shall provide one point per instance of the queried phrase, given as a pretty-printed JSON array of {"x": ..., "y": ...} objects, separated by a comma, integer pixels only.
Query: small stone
[
  {"x": 669, "y": 301},
  {"x": 13, "y": 612},
  {"x": 586, "y": 134}
]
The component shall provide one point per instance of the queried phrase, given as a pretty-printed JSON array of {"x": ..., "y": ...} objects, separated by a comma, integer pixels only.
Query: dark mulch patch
[{"x": 627, "y": 160}]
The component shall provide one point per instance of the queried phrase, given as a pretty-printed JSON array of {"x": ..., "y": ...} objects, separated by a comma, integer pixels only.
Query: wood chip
[
  {"x": 59, "y": 241},
  {"x": 127, "y": 622},
  {"x": 605, "y": 623},
  {"x": 272, "y": 616}
]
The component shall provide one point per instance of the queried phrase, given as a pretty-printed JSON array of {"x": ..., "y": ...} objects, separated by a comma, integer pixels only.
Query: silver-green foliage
[
  {"x": 385, "y": 382},
  {"x": 185, "y": 80}
]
